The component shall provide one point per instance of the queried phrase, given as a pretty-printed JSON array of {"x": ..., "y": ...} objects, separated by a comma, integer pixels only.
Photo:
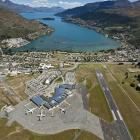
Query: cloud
[
  {"x": 37, "y": 3},
  {"x": 66, "y": 4},
  {"x": 50, "y": 3}
]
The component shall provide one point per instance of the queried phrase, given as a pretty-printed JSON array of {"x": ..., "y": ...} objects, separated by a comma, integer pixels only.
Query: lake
[{"x": 67, "y": 37}]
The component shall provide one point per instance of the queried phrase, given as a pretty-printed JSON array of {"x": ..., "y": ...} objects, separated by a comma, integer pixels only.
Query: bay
[{"x": 67, "y": 37}]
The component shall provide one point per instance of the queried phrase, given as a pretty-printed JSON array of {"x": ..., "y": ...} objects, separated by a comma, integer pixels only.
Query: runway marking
[
  {"x": 103, "y": 89},
  {"x": 120, "y": 116},
  {"x": 114, "y": 116},
  {"x": 113, "y": 113},
  {"x": 101, "y": 75},
  {"x": 107, "y": 89}
]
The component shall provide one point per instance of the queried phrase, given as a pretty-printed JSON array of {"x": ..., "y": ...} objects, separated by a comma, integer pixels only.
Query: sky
[{"x": 60, "y": 3}]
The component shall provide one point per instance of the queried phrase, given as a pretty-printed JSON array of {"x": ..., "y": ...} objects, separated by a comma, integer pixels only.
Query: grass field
[
  {"x": 18, "y": 84},
  {"x": 115, "y": 76},
  {"x": 5, "y": 99},
  {"x": 16, "y": 132},
  {"x": 119, "y": 73},
  {"x": 97, "y": 101},
  {"x": 122, "y": 93}
]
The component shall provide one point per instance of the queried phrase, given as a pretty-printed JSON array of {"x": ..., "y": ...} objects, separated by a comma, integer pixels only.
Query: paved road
[{"x": 119, "y": 128}]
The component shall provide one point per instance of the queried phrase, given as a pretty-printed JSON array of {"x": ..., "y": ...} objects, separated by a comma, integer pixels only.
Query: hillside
[
  {"x": 92, "y": 7},
  {"x": 24, "y": 8},
  {"x": 13, "y": 25},
  {"x": 119, "y": 19}
]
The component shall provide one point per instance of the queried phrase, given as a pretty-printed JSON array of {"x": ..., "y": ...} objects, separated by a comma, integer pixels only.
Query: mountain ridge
[
  {"x": 13, "y": 25},
  {"x": 24, "y": 8},
  {"x": 119, "y": 19},
  {"x": 91, "y": 7}
]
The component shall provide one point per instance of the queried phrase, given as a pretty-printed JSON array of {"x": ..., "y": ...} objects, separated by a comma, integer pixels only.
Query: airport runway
[{"x": 118, "y": 128}]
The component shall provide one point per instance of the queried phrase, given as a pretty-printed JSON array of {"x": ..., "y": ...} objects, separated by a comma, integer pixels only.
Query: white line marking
[
  {"x": 114, "y": 116},
  {"x": 107, "y": 89},
  {"x": 120, "y": 116},
  {"x": 123, "y": 90},
  {"x": 103, "y": 88}
]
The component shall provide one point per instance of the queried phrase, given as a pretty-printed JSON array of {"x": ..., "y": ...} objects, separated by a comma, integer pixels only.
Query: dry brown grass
[
  {"x": 17, "y": 84},
  {"x": 6, "y": 99}
]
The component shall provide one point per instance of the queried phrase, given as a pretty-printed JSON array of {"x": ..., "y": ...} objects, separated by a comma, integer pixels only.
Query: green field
[
  {"x": 98, "y": 105},
  {"x": 126, "y": 96},
  {"x": 115, "y": 76}
]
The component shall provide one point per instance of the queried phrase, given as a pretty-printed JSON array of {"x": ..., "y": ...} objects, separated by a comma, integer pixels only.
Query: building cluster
[
  {"x": 36, "y": 90},
  {"x": 14, "y": 43},
  {"x": 40, "y": 84},
  {"x": 30, "y": 62},
  {"x": 124, "y": 55},
  {"x": 60, "y": 94}
]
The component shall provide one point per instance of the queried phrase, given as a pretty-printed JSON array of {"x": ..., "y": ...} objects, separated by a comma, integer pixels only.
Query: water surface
[{"x": 67, "y": 37}]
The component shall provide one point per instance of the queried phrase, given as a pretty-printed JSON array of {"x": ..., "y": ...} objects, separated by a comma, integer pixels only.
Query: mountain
[
  {"x": 119, "y": 19},
  {"x": 15, "y": 7},
  {"x": 122, "y": 3},
  {"x": 13, "y": 25},
  {"x": 46, "y": 9},
  {"x": 24, "y": 8},
  {"x": 137, "y": 3},
  {"x": 91, "y": 7}
]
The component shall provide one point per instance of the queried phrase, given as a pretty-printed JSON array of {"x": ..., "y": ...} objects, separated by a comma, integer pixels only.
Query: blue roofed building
[
  {"x": 59, "y": 91},
  {"x": 58, "y": 99},
  {"x": 47, "y": 105},
  {"x": 67, "y": 86},
  {"x": 37, "y": 100},
  {"x": 46, "y": 102},
  {"x": 59, "y": 96},
  {"x": 52, "y": 102}
]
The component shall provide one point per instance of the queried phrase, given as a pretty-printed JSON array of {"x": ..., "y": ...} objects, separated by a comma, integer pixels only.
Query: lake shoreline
[
  {"x": 67, "y": 37},
  {"x": 100, "y": 30}
]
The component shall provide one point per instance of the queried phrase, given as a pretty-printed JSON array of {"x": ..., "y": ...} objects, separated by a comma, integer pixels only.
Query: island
[{"x": 48, "y": 18}]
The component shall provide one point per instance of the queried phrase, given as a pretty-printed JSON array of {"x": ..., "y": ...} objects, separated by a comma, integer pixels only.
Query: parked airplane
[
  {"x": 41, "y": 115},
  {"x": 30, "y": 111},
  {"x": 62, "y": 110}
]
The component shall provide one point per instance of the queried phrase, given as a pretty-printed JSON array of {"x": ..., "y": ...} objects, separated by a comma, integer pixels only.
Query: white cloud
[
  {"x": 37, "y": 3},
  {"x": 66, "y": 4},
  {"x": 50, "y": 3}
]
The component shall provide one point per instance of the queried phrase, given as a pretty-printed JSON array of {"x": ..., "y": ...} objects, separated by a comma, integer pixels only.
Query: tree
[
  {"x": 126, "y": 75},
  {"x": 132, "y": 84},
  {"x": 138, "y": 78}
]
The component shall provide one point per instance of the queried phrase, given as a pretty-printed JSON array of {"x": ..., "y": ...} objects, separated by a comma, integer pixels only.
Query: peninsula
[{"x": 14, "y": 26}]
